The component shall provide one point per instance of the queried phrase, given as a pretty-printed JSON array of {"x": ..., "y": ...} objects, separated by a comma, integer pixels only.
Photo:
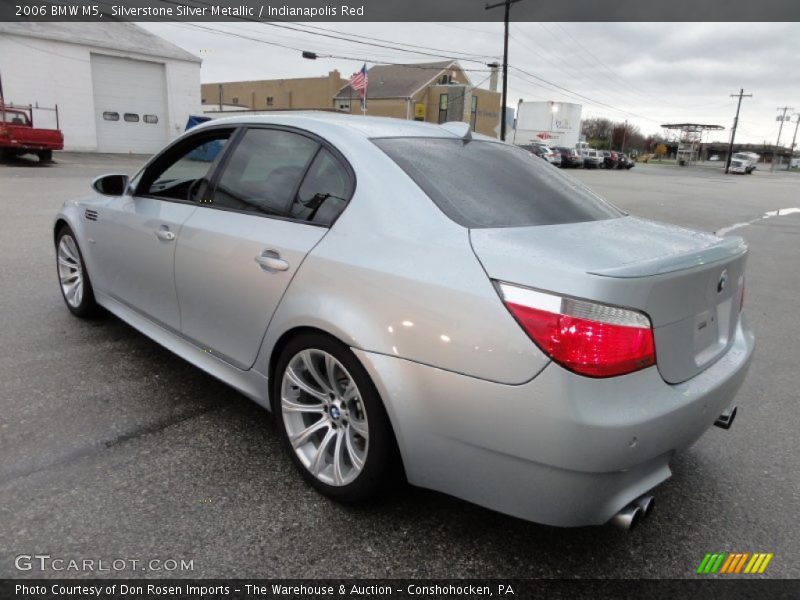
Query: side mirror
[{"x": 111, "y": 185}]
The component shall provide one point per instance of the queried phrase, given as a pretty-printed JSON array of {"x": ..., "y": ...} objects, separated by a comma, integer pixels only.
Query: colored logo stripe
[{"x": 734, "y": 563}]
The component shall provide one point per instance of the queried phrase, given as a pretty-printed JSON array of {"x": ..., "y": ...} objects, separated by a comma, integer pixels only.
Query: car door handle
[
  {"x": 165, "y": 234},
  {"x": 270, "y": 260}
]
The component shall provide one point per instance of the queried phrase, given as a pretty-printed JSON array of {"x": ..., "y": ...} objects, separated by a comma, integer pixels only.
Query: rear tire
[
  {"x": 74, "y": 282},
  {"x": 45, "y": 156},
  {"x": 331, "y": 419}
]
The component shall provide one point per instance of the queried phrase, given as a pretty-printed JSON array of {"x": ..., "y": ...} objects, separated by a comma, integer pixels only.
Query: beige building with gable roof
[{"x": 434, "y": 92}]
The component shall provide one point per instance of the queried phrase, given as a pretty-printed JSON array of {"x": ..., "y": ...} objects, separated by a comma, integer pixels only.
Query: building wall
[
  {"x": 382, "y": 107},
  {"x": 49, "y": 72},
  {"x": 301, "y": 93},
  {"x": 487, "y": 119},
  {"x": 489, "y": 108},
  {"x": 320, "y": 92}
]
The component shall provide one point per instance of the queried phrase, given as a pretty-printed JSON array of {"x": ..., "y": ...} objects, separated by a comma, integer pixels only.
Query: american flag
[{"x": 359, "y": 81}]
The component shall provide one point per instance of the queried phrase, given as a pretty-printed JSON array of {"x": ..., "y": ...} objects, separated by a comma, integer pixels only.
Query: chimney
[{"x": 493, "y": 78}]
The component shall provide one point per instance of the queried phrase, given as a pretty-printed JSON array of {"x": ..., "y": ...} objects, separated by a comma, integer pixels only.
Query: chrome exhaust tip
[
  {"x": 725, "y": 420},
  {"x": 646, "y": 503},
  {"x": 628, "y": 517}
]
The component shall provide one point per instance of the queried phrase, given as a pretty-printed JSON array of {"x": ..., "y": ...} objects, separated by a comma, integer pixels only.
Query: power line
[
  {"x": 386, "y": 45},
  {"x": 562, "y": 64},
  {"x": 582, "y": 96}
]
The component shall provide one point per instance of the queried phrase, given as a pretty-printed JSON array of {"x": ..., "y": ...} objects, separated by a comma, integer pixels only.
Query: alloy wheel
[
  {"x": 324, "y": 417},
  {"x": 70, "y": 270}
]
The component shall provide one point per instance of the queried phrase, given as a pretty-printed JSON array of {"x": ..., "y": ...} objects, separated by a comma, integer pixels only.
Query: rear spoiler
[{"x": 725, "y": 249}]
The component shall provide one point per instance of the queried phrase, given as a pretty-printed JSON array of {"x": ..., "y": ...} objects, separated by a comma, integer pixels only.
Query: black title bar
[
  {"x": 396, "y": 10},
  {"x": 730, "y": 588}
]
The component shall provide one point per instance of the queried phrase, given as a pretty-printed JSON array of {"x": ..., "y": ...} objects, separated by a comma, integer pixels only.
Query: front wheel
[
  {"x": 76, "y": 289},
  {"x": 331, "y": 419}
]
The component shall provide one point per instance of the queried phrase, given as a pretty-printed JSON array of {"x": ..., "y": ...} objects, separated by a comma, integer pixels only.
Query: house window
[
  {"x": 443, "y": 99},
  {"x": 150, "y": 119},
  {"x": 270, "y": 100},
  {"x": 131, "y": 118},
  {"x": 445, "y": 79},
  {"x": 235, "y": 100},
  {"x": 343, "y": 105},
  {"x": 111, "y": 116},
  {"x": 473, "y": 114}
]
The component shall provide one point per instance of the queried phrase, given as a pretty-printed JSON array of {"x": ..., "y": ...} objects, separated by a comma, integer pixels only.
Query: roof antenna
[{"x": 460, "y": 129}]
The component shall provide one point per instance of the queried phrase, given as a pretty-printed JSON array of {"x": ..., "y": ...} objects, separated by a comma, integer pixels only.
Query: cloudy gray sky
[{"x": 649, "y": 73}]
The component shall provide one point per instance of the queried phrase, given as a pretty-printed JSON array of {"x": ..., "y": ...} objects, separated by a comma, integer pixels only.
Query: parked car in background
[
  {"x": 536, "y": 149},
  {"x": 570, "y": 157},
  {"x": 543, "y": 152},
  {"x": 624, "y": 161},
  {"x": 744, "y": 162},
  {"x": 592, "y": 159},
  {"x": 18, "y": 136},
  {"x": 419, "y": 300},
  {"x": 714, "y": 158},
  {"x": 610, "y": 160}
]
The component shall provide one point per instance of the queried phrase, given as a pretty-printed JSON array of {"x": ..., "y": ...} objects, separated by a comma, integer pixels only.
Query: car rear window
[{"x": 482, "y": 184}]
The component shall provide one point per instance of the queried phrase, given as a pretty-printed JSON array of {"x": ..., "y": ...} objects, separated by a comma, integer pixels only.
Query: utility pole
[
  {"x": 624, "y": 133},
  {"x": 507, "y": 4},
  {"x": 782, "y": 118},
  {"x": 794, "y": 139},
  {"x": 740, "y": 95}
]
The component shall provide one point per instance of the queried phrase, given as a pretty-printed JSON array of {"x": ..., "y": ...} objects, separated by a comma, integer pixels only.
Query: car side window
[
  {"x": 264, "y": 171},
  {"x": 325, "y": 191},
  {"x": 182, "y": 172}
]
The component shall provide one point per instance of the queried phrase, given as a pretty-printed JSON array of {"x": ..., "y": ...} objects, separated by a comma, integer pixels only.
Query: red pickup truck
[{"x": 19, "y": 136}]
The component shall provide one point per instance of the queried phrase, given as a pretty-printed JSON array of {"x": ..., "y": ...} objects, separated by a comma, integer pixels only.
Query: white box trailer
[{"x": 551, "y": 123}]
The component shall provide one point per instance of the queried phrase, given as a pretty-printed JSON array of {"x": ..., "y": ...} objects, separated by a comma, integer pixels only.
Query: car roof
[{"x": 366, "y": 126}]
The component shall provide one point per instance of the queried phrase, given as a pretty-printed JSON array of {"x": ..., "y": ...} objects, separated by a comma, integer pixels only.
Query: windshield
[{"x": 481, "y": 184}]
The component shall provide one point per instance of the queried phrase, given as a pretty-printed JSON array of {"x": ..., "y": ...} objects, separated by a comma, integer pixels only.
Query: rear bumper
[{"x": 561, "y": 449}]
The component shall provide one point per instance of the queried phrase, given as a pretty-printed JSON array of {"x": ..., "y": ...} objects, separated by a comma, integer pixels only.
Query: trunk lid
[{"x": 688, "y": 282}]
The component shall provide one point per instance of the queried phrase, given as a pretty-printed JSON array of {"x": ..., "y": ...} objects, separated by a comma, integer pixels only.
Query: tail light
[
  {"x": 5, "y": 133},
  {"x": 596, "y": 340}
]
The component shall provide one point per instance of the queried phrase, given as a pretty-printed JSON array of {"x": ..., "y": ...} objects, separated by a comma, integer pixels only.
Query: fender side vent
[{"x": 91, "y": 215}]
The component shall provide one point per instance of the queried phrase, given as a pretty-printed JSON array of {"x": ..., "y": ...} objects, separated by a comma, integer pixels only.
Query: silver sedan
[{"x": 414, "y": 301}]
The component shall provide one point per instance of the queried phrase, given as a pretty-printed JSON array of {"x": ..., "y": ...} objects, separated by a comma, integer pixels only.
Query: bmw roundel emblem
[{"x": 723, "y": 279}]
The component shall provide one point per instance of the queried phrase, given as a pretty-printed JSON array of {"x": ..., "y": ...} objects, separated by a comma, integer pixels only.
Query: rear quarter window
[{"x": 483, "y": 184}]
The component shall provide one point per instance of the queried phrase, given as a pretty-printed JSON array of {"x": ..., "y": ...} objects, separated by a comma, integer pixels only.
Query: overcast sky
[{"x": 649, "y": 73}]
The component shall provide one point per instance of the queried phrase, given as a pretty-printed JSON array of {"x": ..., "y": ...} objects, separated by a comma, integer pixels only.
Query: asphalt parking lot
[{"x": 111, "y": 447}]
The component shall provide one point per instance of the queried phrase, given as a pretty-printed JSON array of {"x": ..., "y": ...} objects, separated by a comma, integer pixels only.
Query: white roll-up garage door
[{"x": 130, "y": 103}]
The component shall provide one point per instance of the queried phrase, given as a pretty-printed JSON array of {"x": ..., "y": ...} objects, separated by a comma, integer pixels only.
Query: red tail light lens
[{"x": 596, "y": 340}]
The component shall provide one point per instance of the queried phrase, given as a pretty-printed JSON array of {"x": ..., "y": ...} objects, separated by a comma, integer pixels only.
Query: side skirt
[{"x": 252, "y": 384}]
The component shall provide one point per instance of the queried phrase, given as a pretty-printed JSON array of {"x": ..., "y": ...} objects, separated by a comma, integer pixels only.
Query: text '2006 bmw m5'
[{"x": 400, "y": 290}]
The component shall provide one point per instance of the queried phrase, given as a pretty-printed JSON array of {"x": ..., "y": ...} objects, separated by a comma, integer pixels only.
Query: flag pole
[{"x": 364, "y": 99}]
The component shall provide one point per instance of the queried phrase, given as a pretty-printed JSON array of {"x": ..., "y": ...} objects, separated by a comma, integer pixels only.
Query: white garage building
[{"x": 118, "y": 87}]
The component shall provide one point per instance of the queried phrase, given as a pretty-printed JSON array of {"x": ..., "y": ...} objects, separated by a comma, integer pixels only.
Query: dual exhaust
[{"x": 630, "y": 516}]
